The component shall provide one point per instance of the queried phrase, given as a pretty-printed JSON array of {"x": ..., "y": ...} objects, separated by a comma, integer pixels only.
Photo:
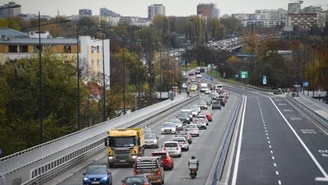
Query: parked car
[
  {"x": 216, "y": 104},
  {"x": 168, "y": 128},
  {"x": 184, "y": 117},
  {"x": 151, "y": 167},
  {"x": 177, "y": 122},
  {"x": 192, "y": 129},
  {"x": 173, "y": 148},
  {"x": 97, "y": 174},
  {"x": 166, "y": 159},
  {"x": 151, "y": 140},
  {"x": 182, "y": 142},
  {"x": 136, "y": 179},
  {"x": 185, "y": 134}
]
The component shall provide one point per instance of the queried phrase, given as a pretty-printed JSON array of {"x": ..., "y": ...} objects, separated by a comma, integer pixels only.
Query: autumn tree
[{"x": 218, "y": 29}]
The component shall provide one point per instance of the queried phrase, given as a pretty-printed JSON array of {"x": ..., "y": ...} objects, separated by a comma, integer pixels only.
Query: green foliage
[
  {"x": 217, "y": 30},
  {"x": 19, "y": 107}
]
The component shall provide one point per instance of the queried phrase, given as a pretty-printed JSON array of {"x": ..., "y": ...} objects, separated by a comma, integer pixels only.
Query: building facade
[
  {"x": 263, "y": 18},
  {"x": 9, "y": 10},
  {"x": 85, "y": 12},
  {"x": 208, "y": 10},
  {"x": 155, "y": 9},
  {"x": 15, "y": 45}
]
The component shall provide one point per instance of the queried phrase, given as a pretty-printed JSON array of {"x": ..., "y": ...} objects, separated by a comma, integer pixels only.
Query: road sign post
[
  {"x": 243, "y": 74},
  {"x": 264, "y": 80}
]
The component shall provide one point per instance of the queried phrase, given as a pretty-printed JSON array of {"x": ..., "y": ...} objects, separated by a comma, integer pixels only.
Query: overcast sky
[{"x": 139, "y": 7}]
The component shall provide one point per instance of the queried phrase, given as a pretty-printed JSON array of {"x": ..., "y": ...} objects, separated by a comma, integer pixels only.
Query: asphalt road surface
[
  {"x": 203, "y": 147},
  {"x": 279, "y": 145}
]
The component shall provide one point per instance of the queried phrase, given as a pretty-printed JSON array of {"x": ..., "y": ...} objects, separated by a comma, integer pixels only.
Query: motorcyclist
[{"x": 193, "y": 160}]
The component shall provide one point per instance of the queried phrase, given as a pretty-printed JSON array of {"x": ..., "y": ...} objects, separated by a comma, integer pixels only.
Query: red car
[
  {"x": 209, "y": 117},
  {"x": 166, "y": 160},
  {"x": 191, "y": 74}
]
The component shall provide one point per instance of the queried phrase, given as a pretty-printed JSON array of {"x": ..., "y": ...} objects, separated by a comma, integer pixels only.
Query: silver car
[
  {"x": 177, "y": 123},
  {"x": 194, "y": 111},
  {"x": 182, "y": 142},
  {"x": 168, "y": 128},
  {"x": 192, "y": 129},
  {"x": 151, "y": 140},
  {"x": 200, "y": 122},
  {"x": 198, "y": 107},
  {"x": 203, "y": 117},
  {"x": 188, "y": 111}
]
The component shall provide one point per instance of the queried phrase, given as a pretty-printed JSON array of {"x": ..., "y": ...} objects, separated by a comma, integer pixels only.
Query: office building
[
  {"x": 108, "y": 13},
  {"x": 155, "y": 9},
  {"x": 85, "y": 12},
  {"x": 208, "y": 10},
  {"x": 9, "y": 10}
]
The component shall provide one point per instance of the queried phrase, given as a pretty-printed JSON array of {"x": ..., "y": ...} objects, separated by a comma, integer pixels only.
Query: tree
[
  {"x": 217, "y": 30},
  {"x": 158, "y": 21},
  {"x": 87, "y": 22},
  {"x": 20, "y": 108}
]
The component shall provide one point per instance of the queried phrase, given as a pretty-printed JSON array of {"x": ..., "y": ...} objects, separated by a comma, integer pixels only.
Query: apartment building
[
  {"x": 209, "y": 10},
  {"x": 10, "y": 9},
  {"x": 85, "y": 12},
  {"x": 155, "y": 9}
]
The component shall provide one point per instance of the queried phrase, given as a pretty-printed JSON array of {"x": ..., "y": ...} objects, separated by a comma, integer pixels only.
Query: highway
[
  {"x": 278, "y": 144},
  {"x": 204, "y": 147}
]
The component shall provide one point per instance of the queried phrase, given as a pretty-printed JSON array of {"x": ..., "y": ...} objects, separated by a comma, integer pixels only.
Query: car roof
[
  {"x": 97, "y": 165},
  {"x": 159, "y": 152},
  {"x": 171, "y": 142},
  {"x": 183, "y": 138}
]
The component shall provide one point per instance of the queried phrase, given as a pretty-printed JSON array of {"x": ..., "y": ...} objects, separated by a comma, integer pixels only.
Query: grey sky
[{"x": 139, "y": 7}]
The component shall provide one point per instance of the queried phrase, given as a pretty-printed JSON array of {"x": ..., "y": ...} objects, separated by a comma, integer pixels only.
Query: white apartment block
[
  {"x": 155, "y": 9},
  {"x": 264, "y": 18}
]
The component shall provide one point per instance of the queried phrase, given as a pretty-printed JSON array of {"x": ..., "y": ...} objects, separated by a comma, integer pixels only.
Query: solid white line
[
  {"x": 235, "y": 170},
  {"x": 279, "y": 182},
  {"x": 274, "y": 164},
  {"x": 277, "y": 172},
  {"x": 272, "y": 157},
  {"x": 301, "y": 141}
]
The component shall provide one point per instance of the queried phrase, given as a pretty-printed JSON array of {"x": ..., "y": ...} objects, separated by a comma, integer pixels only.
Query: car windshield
[
  {"x": 96, "y": 170},
  {"x": 147, "y": 130},
  {"x": 191, "y": 126},
  {"x": 179, "y": 139},
  {"x": 175, "y": 120},
  {"x": 194, "y": 109},
  {"x": 167, "y": 124},
  {"x": 130, "y": 180},
  {"x": 182, "y": 115},
  {"x": 202, "y": 102},
  {"x": 170, "y": 144},
  {"x": 162, "y": 155},
  {"x": 198, "y": 119},
  {"x": 122, "y": 141},
  {"x": 150, "y": 136}
]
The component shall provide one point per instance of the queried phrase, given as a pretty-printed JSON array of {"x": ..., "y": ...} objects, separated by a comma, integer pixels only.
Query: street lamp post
[
  {"x": 139, "y": 74},
  {"x": 78, "y": 76},
  {"x": 40, "y": 73},
  {"x": 124, "y": 109},
  {"x": 313, "y": 75},
  {"x": 104, "y": 76}
]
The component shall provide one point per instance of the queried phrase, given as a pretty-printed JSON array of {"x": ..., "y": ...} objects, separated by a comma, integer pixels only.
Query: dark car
[
  {"x": 184, "y": 117},
  {"x": 167, "y": 161},
  {"x": 97, "y": 174},
  {"x": 203, "y": 104},
  {"x": 136, "y": 180},
  {"x": 277, "y": 92},
  {"x": 222, "y": 101},
  {"x": 185, "y": 134},
  {"x": 216, "y": 104}
]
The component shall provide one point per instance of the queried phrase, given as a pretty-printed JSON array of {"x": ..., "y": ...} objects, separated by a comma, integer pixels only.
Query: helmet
[{"x": 193, "y": 157}]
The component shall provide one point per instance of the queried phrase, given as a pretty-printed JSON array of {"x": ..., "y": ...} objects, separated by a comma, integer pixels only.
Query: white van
[{"x": 219, "y": 88}]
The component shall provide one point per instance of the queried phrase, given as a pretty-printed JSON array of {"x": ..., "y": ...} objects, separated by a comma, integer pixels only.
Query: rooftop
[{"x": 8, "y": 32}]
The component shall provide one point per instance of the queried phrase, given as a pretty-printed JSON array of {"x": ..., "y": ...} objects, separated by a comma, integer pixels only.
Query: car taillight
[
  {"x": 146, "y": 183},
  {"x": 123, "y": 183},
  {"x": 134, "y": 173},
  {"x": 177, "y": 148},
  {"x": 197, "y": 129},
  {"x": 158, "y": 173},
  {"x": 185, "y": 142},
  {"x": 164, "y": 148}
]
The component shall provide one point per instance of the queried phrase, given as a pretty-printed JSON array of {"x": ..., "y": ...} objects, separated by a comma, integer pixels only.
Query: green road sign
[
  {"x": 243, "y": 74},
  {"x": 209, "y": 66}
]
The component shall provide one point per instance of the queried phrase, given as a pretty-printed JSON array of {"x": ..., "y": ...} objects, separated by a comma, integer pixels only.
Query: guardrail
[
  {"x": 52, "y": 168},
  {"x": 323, "y": 121},
  {"x": 226, "y": 143}
]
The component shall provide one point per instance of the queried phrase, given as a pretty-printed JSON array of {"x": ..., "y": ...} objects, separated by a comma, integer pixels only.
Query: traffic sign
[
  {"x": 0, "y": 152},
  {"x": 209, "y": 66},
  {"x": 243, "y": 74},
  {"x": 264, "y": 80},
  {"x": 305, "y": 84},
  {"x": 236, "y": 75},
  {"x": 183, "y": 62},
  {"x": 224, "y": 75},
  {"x": 212, "y": 78}
]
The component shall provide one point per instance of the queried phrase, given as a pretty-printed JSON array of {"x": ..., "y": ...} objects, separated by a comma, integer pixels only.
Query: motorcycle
[{"x": 193, "y": 173}]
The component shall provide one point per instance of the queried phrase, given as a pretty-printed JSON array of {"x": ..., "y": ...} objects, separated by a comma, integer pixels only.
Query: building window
[
  {"x": 37, "y": 48},
  {"x": 13, "y": 49},
  {"x": 92, "y": 62},
  {"x": 67, "y": 49},
  {"x": 98, "y": 63},
  {"x": 23, "y": 49},
  {"x": 98, "y": 49}
]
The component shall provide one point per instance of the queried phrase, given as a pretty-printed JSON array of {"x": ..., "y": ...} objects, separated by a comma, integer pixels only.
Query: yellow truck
[{"x": 124, "y": 145}]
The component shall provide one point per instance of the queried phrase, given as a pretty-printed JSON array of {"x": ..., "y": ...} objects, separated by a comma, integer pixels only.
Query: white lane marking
[
  {"x": 267, "y": 137},
  {"x": 277, "y": 172},
  {"x": 235, "y": 170},
  {"x": 274, "y": 164},
  {"x": 269, "y": 146},
  {"x": 271, "y": 151},
  {"x": 269, "y": 142},
  {"x": 266, "y": 134},
  {"x": 301, "y": 141},
  {"x": 264, "y": 127},
  {"x": 265, "y": 131},
  {"x": 279, "y": 182},
  {"x": 272, "y": 157}
]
